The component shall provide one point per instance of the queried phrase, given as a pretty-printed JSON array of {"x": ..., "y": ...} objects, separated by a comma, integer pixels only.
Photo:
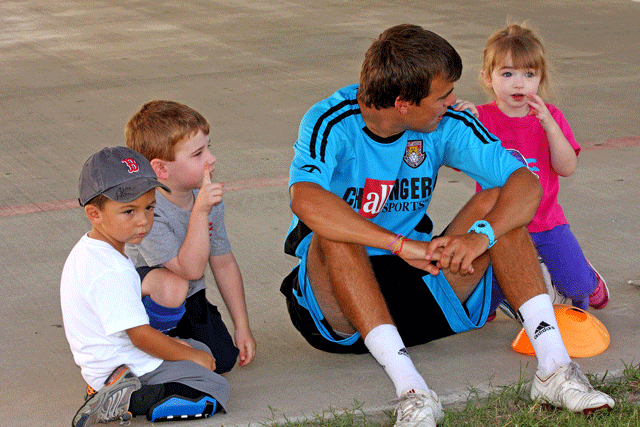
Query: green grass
[{"x": 505, "y": 406}]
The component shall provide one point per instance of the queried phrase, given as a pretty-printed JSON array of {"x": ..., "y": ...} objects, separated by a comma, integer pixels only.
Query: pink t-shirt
[{"x": 526, "y": 135}]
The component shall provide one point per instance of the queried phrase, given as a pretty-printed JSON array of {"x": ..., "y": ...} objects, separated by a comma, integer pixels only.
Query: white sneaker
[
  {"x": 418, "y": 408},
  {"x": 568, "y": 388},
  {"x": 552, "y": 291}
]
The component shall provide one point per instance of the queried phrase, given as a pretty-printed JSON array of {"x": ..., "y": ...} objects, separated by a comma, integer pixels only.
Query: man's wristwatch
[{"x": 483, "y": 227}]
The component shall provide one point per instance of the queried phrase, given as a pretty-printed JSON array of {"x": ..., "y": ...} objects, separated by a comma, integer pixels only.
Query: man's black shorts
[{"x": 415, "y": 312}]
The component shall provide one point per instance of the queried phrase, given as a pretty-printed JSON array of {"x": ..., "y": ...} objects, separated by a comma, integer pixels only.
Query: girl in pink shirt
[{"x": 515, "y": 73}]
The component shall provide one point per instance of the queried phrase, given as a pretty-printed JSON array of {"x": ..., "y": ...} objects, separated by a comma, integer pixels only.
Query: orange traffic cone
[{"x": 583, "y": 334}]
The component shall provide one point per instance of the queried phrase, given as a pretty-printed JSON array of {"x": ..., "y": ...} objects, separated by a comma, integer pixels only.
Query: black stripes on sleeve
[
  {"x": 472, "y": 122},
  {"x": 329, "y": 126}
]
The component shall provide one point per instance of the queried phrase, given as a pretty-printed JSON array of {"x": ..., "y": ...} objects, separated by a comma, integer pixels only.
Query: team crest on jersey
[{"x": 413, "y": 154}]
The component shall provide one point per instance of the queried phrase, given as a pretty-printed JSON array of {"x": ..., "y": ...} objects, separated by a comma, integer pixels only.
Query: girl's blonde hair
[{"x": 527, "y": 51}]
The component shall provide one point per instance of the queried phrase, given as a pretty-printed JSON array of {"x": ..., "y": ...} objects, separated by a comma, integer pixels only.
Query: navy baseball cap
[{"x": 120, "y": 173}]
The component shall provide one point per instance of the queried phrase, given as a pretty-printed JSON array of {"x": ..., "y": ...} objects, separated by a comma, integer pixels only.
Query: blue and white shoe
[{"x": 182, "y": 408}]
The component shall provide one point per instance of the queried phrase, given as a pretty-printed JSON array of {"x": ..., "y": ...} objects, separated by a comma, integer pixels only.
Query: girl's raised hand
[
  {"x": 462, "y": 105},
  {"x": 540, "y": 110}
]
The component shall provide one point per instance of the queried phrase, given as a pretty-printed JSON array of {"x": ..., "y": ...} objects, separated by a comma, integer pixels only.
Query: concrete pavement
[{"x": 73, "y": 72}]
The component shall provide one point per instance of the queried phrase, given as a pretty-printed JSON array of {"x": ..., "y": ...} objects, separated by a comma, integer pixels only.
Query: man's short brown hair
[
  {"x": 159, "y": 125},
  {"x": 402, "y": 63}
]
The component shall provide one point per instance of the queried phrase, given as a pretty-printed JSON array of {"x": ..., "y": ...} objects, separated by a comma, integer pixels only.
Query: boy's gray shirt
[{"x": 169, "y": 230}]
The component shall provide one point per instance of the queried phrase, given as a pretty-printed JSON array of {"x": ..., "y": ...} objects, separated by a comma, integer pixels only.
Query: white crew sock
[
  {"x": 539, "y": 321},
  {"x": 386, "y": 346}
]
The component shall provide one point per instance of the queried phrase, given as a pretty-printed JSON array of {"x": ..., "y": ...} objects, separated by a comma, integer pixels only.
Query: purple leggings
[{"x": 570, "y": 272}]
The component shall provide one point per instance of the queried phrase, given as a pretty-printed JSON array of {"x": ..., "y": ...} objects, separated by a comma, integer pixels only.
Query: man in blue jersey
[{"x": 371, "y": 274}]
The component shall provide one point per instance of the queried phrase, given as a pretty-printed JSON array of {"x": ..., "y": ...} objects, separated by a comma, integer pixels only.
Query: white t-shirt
[{"x": 100, "y": 296}]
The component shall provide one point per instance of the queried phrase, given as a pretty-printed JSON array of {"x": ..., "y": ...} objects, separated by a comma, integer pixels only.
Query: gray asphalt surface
[{"x": 73, "y": 72}]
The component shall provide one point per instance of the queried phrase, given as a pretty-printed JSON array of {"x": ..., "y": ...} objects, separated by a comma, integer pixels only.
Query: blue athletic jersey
[{"x": 389, "y": 181}]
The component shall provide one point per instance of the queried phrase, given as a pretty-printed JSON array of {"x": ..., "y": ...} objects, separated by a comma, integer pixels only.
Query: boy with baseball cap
[{"x": 130, "y": 367}]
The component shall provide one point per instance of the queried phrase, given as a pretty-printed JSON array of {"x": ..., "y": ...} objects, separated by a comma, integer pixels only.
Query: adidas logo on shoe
[{"x": 542, "y": 328}]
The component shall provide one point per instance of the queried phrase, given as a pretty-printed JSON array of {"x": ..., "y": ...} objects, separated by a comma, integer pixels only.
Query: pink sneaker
[{"x": 600, "y": 296}]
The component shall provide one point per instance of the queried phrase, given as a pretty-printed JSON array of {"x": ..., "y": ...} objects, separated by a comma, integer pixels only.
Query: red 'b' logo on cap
[
  {"x": 132, "y": 165},
  {"x": 376, "y": 193}
]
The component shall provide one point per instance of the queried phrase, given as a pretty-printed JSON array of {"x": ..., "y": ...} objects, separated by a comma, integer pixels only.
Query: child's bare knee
[
  {"x": 175, "y": 289},
  {"x": 165, "y": 287}
]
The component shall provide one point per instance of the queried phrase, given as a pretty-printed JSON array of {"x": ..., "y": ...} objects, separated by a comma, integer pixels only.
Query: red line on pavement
[
  {"x": 60, "y": 205},
  {"x": 57, "y": 205},
  {"x": 247, "y": 184}
]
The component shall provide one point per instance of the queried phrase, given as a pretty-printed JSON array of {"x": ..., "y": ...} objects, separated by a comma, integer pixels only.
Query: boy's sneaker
[
  {"x": 111, "y": 402},
  {"x": 418, "y": 408},
  {"x": 568, "y": 388},
  {"x": 600, "y": 296}
]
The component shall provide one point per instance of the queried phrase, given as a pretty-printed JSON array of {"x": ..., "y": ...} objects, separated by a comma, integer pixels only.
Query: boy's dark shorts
[
  {"x": 202, "y": 321},
  {"x": 414, "y": 310}
]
